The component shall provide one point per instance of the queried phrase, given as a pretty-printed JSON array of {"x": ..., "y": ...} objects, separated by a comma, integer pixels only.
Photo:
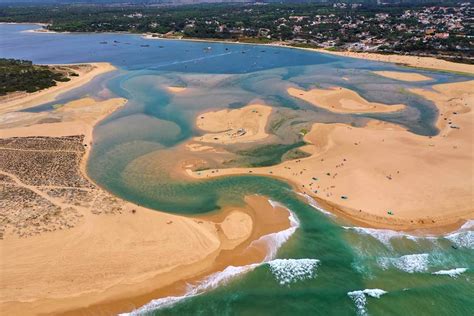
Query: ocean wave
[
  {"x": 408, "y": 263},
  {"x": 315, "y": 204},
  {"x": 463, "y": 237},
  {"x": 360, "y": 298},
  {"x": 288, "y": 271},
  {"x": 454, "y": 273},
  {"x": 211, "y": 282},
  {"x": 273, "y": 242}
]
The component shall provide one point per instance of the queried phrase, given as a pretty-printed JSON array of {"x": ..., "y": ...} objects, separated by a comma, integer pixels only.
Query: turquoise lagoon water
[{"x": 321, "y": 267}]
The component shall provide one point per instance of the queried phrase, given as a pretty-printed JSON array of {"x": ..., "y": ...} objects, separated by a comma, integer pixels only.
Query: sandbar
[
  {"x": 403, "y": 76},
  {"x": 86, "y": 72},
  {"x": 94, "y": 252},
  {"x": 242, "y": 125},
  {"x": 342, "y": 100},
  {"x": 176, "y": 89},
  {"x": 382, "y": 175}
]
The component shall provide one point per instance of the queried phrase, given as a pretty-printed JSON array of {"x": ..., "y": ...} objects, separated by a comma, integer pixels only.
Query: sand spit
[
  {"x": 342, "y": 100},
  {"x": 407, "y": 60},
  {"x": 86, "y": 72},
  {"x": 384, "y": 176},
  {"x": 403, "y": 76},
  {"x": 176, "y": 89},
  {"x": 91, "y": 248},
  {"x": 242, "y": 125}
]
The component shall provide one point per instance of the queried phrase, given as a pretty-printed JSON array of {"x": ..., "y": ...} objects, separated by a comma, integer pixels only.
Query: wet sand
[
  {"x": 403, "y": 76},
  {"x": 384, "y": 176},
  {"x": 86, "y": 72},
  {"x": 342, "y": 100},
  {"x": 103, "y": 249}
]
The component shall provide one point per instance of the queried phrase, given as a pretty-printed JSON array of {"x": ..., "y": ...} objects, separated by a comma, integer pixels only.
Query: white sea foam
[
  {"x": 211, "y": 282},
  {"x": 360, "y": 298},
  {"x": 383, "y": 235},
  {"x": 463, "y": 239},
  {"x": 272, "y": 241},
  {"x": 454, "y": 273},
  {"x": 315, "y": 204},
  {"x": 288, "y": 271},
  {"x": 408, "y": 263}
]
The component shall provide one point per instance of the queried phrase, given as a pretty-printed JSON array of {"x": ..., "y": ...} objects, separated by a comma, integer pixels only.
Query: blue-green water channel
[{"x": 331, "y": 269}]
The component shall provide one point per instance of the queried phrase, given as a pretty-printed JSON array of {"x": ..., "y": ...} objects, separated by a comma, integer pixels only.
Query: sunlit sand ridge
[
  {"x": 385, "y": 176},
  {"x": 342, "y": 100},
  {"x": 101, "y": 247},
  {"x": 403, "y": 76}
]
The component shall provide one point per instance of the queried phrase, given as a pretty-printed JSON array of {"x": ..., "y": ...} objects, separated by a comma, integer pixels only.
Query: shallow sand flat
[
  {"x": 106, "y": 250},
  {"x": 365, "y": 173},
  {"x": 411, "y": 61},
  {"x": 242, "y": 125},
  {"x": 176, "y": 89},
  {"x": 86, "y": 73},
  {"x": 342, "y": 100},
  {"x": 403, "y": 76}
]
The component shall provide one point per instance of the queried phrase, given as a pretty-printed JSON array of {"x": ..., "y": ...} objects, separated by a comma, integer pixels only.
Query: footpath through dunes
[
  {"x": 342, "y": 100},
  {"x": 85, "y": 73},
  {"x": 382, "y": 175},
  {"x": 68, "y": 244}
]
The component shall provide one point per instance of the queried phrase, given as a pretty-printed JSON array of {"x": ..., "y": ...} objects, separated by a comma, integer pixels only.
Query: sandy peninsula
[
  {"x": 23, "y": 100},
  {"x": 407, "y": 60},
  {"x": 382, "y": 175},
  {"x": 242, "y": 125},
  {"x": 342, "y": 100},
  {"x": 403, "y": 76},
  {"x": 93, "y": 252}
]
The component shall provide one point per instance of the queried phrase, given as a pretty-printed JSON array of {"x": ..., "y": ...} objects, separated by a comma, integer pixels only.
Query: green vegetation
[
  {"x": 268, "y": 155},
  {"x": 415, "y": 28},
  {"x": 22, "y": 75}
]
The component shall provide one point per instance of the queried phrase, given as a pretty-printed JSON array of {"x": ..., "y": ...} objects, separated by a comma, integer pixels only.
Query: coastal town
[
  {"x": 175, "y": 157},
  {"x": 442, "y": 30}
]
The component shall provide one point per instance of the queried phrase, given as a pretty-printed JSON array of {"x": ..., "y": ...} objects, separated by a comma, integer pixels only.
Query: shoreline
[
  {"x": 371, "y": 174},
  {"x": 410, "y": 61},
  {"x": 25, "y": 100},
  {"x": 188, "y": 247}
]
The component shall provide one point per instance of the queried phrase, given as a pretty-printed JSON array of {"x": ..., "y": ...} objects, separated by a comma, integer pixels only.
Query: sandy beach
[
  {"x": 407, "y": 60},
  {"x": 342, "y": 100},
  {"x": 242, "y": 125},
  {"x": 86, "y": 72},
  {"x": 403, "y": 76},
  {"x": 377, "y": 175},
  {"x": 105, "y": 251}
]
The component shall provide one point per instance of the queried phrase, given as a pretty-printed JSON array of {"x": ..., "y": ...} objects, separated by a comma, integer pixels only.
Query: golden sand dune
[
  {"x": 403, "y": 76},
  {"x": 68, "y": 244},
  {"x": 242, "y": 125},
  {"x": 385, "y": 176},
  {"x": 342, "y": 100}
]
